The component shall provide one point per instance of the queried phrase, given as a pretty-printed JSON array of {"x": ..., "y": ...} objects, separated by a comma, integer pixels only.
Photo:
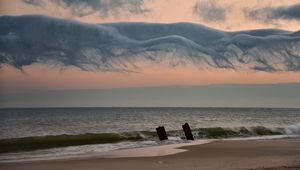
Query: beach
[
  {"x": 227, "y": 154},
  {"x": 149, "y": 85}
]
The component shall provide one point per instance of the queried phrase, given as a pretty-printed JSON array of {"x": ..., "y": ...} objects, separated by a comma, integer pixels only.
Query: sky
[
  {"x": 49, "y": 45},
  {"x": 285, "y": 95}
]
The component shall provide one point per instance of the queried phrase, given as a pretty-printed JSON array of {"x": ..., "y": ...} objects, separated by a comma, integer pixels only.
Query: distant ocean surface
[
  {"x": 136, "y": 124},
  {"x": 16, "y": 123}
]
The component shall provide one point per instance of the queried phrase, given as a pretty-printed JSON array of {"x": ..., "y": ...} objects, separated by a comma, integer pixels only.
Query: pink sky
[
  {"x": 167, "y": 11},
  {"x": 43, "y": 77}
]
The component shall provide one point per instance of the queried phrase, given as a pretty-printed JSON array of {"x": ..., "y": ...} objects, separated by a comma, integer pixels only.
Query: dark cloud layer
[
  {"x": 39, "y": 3},
  {"x": 269, "y": 14},
  {"x": 210, "y": 10},
  {"x": 102, "y": 7},
  {"x": 25, "y": 40}
]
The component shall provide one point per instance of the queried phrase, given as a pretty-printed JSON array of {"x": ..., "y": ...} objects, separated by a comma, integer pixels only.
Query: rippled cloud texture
[{"x": 25, "y": 40}]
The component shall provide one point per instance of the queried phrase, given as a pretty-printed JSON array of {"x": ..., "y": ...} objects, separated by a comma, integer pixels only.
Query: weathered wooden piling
[
  {"x": 161, "y": 132},
  {"x": 187, "y": 131}
]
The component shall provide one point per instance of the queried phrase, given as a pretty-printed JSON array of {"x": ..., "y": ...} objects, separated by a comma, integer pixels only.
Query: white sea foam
[
  {"x": 119, "y": 150},
  {"x": 293, "y": 129},
  {"x": 71, "y": 151}
]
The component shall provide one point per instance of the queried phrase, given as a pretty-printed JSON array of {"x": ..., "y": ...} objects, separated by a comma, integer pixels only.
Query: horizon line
[
  {"x": 154, "y": 86},
  {"x": 149, "y": 107}
]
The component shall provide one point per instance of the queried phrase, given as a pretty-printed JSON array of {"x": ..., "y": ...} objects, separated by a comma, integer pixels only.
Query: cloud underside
[
  {"x": 103, "y": 8},
  {"x": 270, "y": 14},
  {"x": 210, "y": 11},
  {"x": 25, "y": 40}
]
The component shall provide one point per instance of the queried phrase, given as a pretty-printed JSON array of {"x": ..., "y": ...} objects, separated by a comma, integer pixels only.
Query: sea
[{"x": 206, "y": 124}]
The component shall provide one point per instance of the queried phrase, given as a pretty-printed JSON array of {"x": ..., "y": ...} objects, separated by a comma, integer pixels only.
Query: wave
[
  {"x": 46, "y": 142},
  {"x": 220, "y": 132},
  {"x": 293, "y": 129}
]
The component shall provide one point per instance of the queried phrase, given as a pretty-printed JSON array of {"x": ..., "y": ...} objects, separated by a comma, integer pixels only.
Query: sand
[{"x": 244, "y": 154}]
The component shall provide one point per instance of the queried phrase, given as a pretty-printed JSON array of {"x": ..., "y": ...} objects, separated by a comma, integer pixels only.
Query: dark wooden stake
[
  {"x": 187, "y": 131},
  {"x": 161, "y": 132}
]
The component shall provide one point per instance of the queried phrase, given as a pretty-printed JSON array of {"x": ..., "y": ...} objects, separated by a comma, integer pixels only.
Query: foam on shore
[{"x": 119, "y": 150}]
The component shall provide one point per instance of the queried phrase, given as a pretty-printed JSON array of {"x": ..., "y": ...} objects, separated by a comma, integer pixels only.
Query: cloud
[
  {"x": 29, "y": 39},
  {"x": 269, "y": 14},
  {"x": 104, "y": 8},
  {"x": 209, "y": 10},
  {"x": 39, "y": 3}
]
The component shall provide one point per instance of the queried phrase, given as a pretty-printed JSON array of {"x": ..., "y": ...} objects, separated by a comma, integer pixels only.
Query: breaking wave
[
  {"x": 45, "y": 142},
  {"x": 293, "y": 129}
]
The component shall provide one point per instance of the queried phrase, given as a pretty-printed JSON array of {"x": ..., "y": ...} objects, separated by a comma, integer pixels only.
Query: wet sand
[{"x": 244, "y": 154}]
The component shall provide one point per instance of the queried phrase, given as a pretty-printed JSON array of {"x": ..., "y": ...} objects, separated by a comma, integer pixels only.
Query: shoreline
[
  {"x": 223, "y": 154},
  {"x": 124, "y": 150},
  {"x": 33, "y": 143}
]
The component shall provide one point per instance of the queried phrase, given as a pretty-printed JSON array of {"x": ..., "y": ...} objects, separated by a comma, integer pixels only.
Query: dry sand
[{"x": 251, "y": 154}]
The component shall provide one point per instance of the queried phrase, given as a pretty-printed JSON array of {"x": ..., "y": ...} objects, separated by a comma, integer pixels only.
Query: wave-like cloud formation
[{"x": 25, "y": 40}]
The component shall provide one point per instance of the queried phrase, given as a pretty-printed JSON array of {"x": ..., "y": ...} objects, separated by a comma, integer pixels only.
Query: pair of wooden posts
[{"x": 161, "y": 132}]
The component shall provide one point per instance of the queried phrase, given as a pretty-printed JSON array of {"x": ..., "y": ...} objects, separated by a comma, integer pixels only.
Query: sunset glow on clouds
[
  {"x": 45, "y": 53},
  {"x": 230, "y": 15}
]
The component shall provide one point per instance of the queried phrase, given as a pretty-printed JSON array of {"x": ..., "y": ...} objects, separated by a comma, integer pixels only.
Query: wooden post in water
[
  {"x": 161, "y": 132},
  {"x": 187, "y": 131}
]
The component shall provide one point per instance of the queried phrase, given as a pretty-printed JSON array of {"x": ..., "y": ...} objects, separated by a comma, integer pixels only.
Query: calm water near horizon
[{"x": 15, "y": 123}]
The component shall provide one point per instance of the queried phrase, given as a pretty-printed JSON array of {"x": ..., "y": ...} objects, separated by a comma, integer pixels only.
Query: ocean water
[
  {"x": 32, "y": 122},
  {"x": 16, "y": 123}
]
